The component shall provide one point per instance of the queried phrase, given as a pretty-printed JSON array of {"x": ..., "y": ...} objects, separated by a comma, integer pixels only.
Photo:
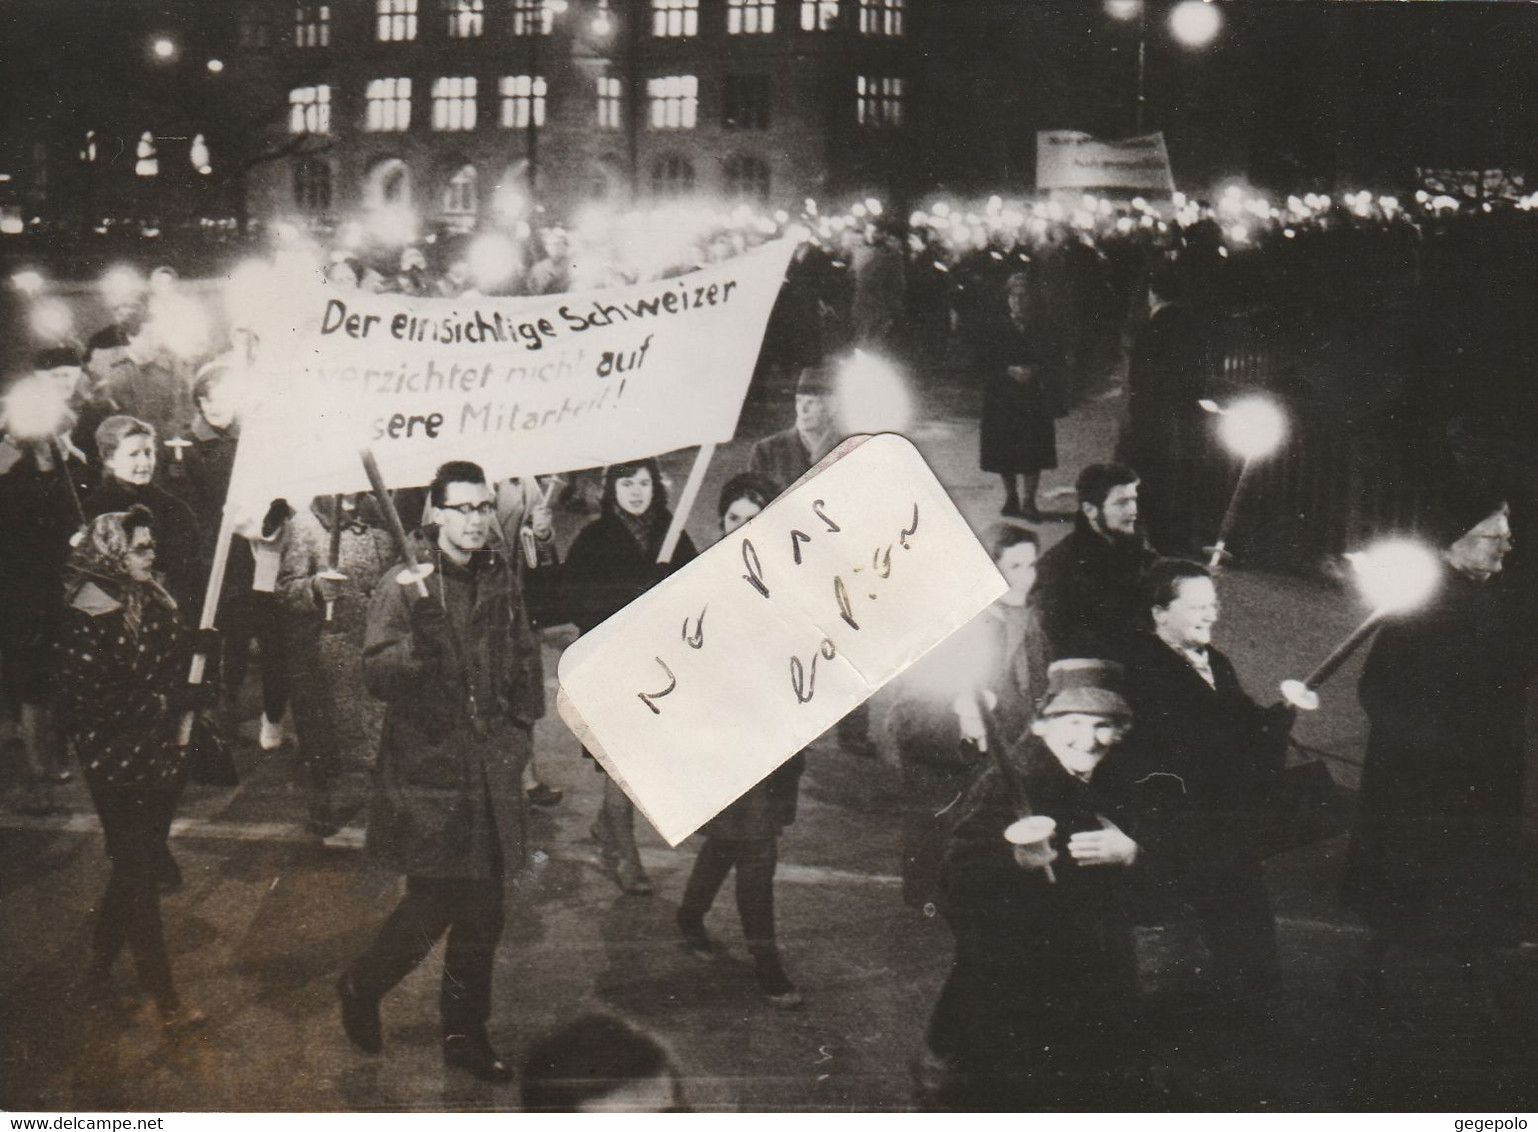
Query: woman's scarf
[{"x": 101, "y": 556}]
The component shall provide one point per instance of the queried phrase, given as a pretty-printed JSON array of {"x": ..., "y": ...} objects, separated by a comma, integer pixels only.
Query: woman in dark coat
[
  {"x": 1039, "y": 1010},
  {"x": 745, "y": 836},
  {"x": 612, "y": 562},
  {"x": 123, "y": 686},
  {"x": 127, "y": 448},
  {"x": 1436, "y": 850},
  {"x": 1018, "y": 436}
]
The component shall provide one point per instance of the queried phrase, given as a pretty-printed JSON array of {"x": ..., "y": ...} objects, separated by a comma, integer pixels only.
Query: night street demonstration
[{"x": 1037, "y": 492}]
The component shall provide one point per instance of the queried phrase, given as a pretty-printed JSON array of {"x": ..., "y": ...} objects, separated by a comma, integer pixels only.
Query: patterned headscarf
[{"x": 100, "y": 555}]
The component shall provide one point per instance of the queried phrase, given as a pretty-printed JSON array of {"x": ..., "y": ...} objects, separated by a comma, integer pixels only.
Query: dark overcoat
[
  {"x": 448, "y": 800},
  {"x": 1087, "y": 593},
  {"x": 1018, "y": 430},
  {"x": 1437, "y": 842}
]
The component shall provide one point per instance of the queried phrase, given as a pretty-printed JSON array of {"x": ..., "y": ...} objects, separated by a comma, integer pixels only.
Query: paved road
[{"x": 267, "y": 918}]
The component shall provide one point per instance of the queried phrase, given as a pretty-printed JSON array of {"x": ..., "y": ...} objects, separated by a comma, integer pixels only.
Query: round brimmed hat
[
  {"x": 1088, "y": 687},
  {"x": 815, "y": 381}
]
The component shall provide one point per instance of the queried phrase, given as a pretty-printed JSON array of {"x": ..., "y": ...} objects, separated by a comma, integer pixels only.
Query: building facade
[{"x": 460, "y": 110}]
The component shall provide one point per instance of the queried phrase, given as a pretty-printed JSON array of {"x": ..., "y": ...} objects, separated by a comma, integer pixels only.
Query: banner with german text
[
  {"x": 522, "y": 386},
  {"x": 1068, "y": 159}
]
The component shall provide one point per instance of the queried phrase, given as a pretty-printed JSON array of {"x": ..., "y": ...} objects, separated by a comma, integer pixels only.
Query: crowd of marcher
[{"x": 1080, "y": 760}]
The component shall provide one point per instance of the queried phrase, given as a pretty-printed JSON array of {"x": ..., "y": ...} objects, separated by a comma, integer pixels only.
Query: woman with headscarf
[
  {"x": 745, "y": 836},
  {"x": 123, "y": 687},
  {"x": 127, "y": 449},
  {"x": 612, "y": 562},
  {"x": 334, "y": 554}
]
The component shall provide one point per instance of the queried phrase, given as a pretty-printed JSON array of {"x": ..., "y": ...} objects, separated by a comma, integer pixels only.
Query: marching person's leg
[
  {"x": 475, "y": 926},
  {"x": 404, "y": 940},
  {"x": 715, "y": 861}
]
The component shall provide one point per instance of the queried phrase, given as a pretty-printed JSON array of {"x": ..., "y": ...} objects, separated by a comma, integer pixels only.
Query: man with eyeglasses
[{"x": 459, "y": 672}]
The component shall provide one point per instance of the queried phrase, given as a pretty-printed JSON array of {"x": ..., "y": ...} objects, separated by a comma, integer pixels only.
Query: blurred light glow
[
  {"x": 52, "y": 319},
  {"x": 1253, "y": 427},
  {"x": 215, "y": 66},
  {"x": 872, "y": 397},
  {"x": 492, "y": 259},
  {"x": 35, "y": 407},
  {"x": 121, "y": 284},
  {"x": 164, "y": 48},
  {"x": 1124, "y": 9},
  {"x": 29, "y": 282},
  {"x": 1195, "y": 23},
  {"x": 1396, "y": 575}
]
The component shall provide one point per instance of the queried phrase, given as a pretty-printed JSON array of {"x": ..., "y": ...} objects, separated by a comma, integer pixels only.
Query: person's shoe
[
  {"x": 473, "y": 1054},
  {"x": 774, "y": 983},
  {"x": 271, "y": 734},
  {"x": 608, "y": 856},
  {"x": 1031, "y": 514},
  {"x": 697, "y": 941},
  {"x": 181, "y": 1018},
  {"x": 543, "y": 796},
  {"x": 1011, "y": 510},
  {"x": 360, "y": 1016},
  {"x": 633, "y": 880}
]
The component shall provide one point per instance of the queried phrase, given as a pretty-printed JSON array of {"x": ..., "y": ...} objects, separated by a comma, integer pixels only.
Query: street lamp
[
  {"x": 164, "y": 48},
  {"x": 1195, "y": 23},
  {"x": 1192, "y": 23}
]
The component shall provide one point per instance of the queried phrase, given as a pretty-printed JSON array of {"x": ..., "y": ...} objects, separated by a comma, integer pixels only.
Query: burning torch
[
  {"x": 1252, "y": 428},
  {"x": 1395, "y": 577}
]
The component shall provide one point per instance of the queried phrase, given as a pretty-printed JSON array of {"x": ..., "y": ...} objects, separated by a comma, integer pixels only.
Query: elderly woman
[
  {"x": 612, "y": 562},
  {"x": 123, "y": 685},
  {"x": 745, "y": 836},
  {"x": 936, "y": 726},
  {"x": 1039, "y": 1009},
  {"x": 127, "y": 448},
  {"x": 1436, "y": 853},
  {"x": 1018, "y": 438}
]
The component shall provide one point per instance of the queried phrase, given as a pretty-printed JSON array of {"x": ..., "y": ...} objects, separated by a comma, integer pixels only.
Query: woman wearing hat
[
  {"x": 1435, "y": 855},
  {"x": 612, "y": 562},
  {"x": 1040, "y": 1004}
]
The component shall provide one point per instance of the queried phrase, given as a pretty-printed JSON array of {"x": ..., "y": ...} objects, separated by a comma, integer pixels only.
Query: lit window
[
  {"x": 533, "y": 17},
  {"x": 745, "y": 102},
  {"x": 675, "y": 101},
  {"x": 818, "y": 15},
  {"x": 879, "y": 101},
  {"x": 88, "y": 151},
  {"x": 396, "y": 21},
  {"x": 467, "y": 18},
  {"x": 672, "y": 176},
  {"x": 523, "y": 95},
  {"x": 608, "y": 103},
  {"x": 675, "y": 18},
  {"x": 197, "y": 154},
  {"x": 460, "y": 198},
  {"x": 454, "y": 103},
  {"x": 312, "y": 185},
  {"x": 309, "y": 110},
  {"x": 389, "y": 105},
  {"x": 747, "y": 178},
  {"x": 147, "y": 163},
  {"x": 312, "y": 25},
  {"x": 750, "y": 17},
  {"x": 881, "y": 17}
]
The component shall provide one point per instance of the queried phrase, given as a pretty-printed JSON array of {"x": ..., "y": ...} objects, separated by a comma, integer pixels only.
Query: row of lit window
[
  {"x": 672, "y": 101},
  {"x": 746, "y": 177},
  {"x": 395, "y": 21}
]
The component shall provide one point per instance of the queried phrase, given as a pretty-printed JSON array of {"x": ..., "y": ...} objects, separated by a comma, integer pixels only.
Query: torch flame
[
  {"x": 1397, "y": 575},
  {"x": 1253, "y": 427},
  {"x": 35, "y": 408},
  {"x": 871, "y": 396}
]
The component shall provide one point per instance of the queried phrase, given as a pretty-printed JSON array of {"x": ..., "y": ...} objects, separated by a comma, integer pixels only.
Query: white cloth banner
[
  {"x": 522, "y": 386},
  {"x": 710, "y": 680},
  {"x": 1068, "y": 159}
]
